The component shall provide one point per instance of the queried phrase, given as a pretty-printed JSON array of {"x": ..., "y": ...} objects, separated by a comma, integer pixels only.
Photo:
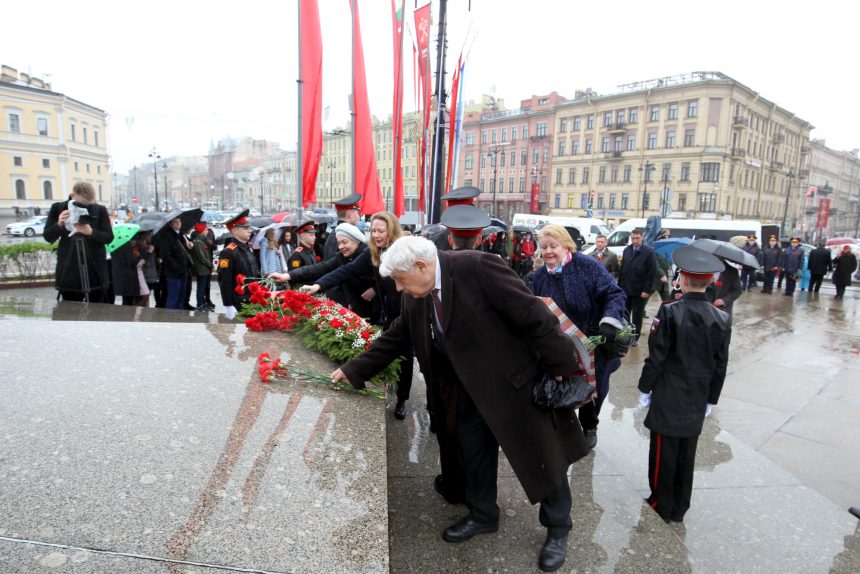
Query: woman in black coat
[
  {"x": 844, "y": 265},
  {"x": 127, "y": 263}
]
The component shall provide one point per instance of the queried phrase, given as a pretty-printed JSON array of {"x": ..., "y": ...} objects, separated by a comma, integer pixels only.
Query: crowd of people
[{"x": 452, "y": 300}]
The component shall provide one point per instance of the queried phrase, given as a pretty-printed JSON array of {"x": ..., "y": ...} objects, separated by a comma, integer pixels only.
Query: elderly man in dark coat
[
  {"x": 726, "y": 288},
  {"x": 820, "y": 262},
  {"x": 638, "y": 269},
  {"x": 469, "y": 316}
]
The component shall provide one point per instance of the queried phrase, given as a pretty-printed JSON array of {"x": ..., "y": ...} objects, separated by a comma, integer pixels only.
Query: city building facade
[
  {"x": 48, "y": 142},
  {"x": 699, "y": 145},
  {"x": 830, "y": 205},
  {"x": 505, "y": 152}
]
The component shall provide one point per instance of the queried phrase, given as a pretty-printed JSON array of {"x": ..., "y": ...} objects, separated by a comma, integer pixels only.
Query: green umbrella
[{"x": 122, "y": 234}]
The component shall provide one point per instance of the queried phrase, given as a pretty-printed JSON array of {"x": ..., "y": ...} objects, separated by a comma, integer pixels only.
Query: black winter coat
[
  {"x": 124, "y": 270},
  {"x": 820, "y": 261},
  {"x": 349, "y": 292},
  {"x": 688, "y": 351},
  {"x": 771, "y": 257},
  {"x": 68, "y": 277},
  {"x": 845, "y": 265},
  {"x": 362, "y": 268},
  {"x": 175, "y": 256},
  {"x": 726, "y": 287},
  {"x": 638, "y": 269}
]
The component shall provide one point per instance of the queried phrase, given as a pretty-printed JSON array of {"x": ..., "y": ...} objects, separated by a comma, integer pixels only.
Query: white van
[
  {"x": 588, "y": 228},
  {"x": 721, "y": 229}
]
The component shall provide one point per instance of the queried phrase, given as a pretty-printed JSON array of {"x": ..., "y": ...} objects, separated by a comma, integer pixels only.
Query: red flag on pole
[
  {"x": 452, "y": 131},
  {"x": 422, "y": 30},
  {"x": 312, "y": 140},
  {"x": 397, "y": 115},
  {"x": 366, "y": 177}
]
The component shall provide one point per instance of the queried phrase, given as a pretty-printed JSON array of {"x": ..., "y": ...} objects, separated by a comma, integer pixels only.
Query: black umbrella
[
  {"x": 523, "y": 229},
  {"x": 188, "y": 217},
  {"x": 491, "y": 230},
  {"x": 150, "y": 221},
  {"x": 261, "y": 221},
  {"x": 499, "y": 223},
  {"x": 726, "y": 250}
]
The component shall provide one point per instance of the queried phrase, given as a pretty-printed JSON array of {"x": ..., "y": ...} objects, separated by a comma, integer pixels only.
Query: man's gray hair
[{"x": 404, "y": 252}]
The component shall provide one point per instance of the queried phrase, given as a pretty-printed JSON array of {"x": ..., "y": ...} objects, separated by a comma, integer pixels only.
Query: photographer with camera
[{"x": 83, "y": 229}]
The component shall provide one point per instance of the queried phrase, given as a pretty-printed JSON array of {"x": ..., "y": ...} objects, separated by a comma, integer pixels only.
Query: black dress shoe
[
  {"x": 400, "y": 410},
  {"x": 466, "y": 529},
  {"x": 553, "y": 553},
  {"x": 591, "y": 438},
  {"x": 450, "y": 498}
]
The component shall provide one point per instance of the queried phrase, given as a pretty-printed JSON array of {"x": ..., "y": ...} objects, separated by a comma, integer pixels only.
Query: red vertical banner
[
  {"x": 823, "y": 212},
  {"x": 452, "y": 130},
  {"x": 397, "y": 115},
  {"x": 422, "y": 31},
  {"x": 535, "y": 198},
  {"x": 312, "y": 136},
  {"x": 366, "y": 177}
]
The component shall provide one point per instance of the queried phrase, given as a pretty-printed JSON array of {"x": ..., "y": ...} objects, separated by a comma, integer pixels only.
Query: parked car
[{"x": 28, "y": 228}]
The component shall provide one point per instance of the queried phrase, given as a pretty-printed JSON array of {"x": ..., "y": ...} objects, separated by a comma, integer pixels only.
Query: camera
[{"x": 80, "y": 213}]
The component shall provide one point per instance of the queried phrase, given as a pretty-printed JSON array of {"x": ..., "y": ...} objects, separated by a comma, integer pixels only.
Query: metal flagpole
[{"x": 299, "y": 163}]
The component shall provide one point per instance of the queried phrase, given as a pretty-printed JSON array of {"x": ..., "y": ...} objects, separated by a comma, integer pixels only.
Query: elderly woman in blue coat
[{"x": 589, "y": 296}]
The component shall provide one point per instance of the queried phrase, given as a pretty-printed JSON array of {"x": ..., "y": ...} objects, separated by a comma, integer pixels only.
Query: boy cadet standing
[
  {"x": 236, "y": 259},
  {"x": 681, "y": 381}
]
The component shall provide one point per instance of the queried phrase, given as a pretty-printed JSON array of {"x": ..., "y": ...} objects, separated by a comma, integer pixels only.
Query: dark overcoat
[
  {"x": 726, "y": 287},
  {"x": 820, "y": 261},
  {"x": 499, "y": 339},
  {"x": 638, "y": 268},
  {"x": 68, "y": 277},
  {"x": 843, "y": 267}
]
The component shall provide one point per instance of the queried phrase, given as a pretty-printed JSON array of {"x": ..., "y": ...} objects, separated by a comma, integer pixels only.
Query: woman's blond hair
[
  {"x": 560, "y": 234},
  {"x": 394, "y": 233}
]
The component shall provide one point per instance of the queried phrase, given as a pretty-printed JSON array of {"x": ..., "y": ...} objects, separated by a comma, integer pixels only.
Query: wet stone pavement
[{"x": 131, "y": 458}]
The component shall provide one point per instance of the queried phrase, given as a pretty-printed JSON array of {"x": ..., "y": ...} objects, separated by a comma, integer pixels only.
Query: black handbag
[{"x": 569, "y": 392}]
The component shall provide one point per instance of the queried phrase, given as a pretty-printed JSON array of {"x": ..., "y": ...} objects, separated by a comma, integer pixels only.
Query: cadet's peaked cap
[
  {"x": 348, "y": 202},
  {"x": 464, "y": 220},
  {"x": 694, "y": 262},
  {"x": 306, "y": 227},
  {"x": 462, "y": 196},
  {"x": 240, "y": 220}
]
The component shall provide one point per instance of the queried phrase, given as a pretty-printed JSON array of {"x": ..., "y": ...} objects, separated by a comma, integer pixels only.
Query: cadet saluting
[{"x": 236, "y": 259}]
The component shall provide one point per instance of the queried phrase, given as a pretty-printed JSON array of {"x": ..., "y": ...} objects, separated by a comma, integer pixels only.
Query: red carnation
[
  {"x": 366, "y": 335},
  {"x": 240, "y": 279},
  {"x": 335, "y": 323}
]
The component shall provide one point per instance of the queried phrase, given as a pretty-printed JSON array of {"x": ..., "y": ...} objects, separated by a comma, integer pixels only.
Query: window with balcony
[
  {"x": 627, "y": 171},
  {"x": 606, "y": 145},
  {"x": 619, "y": 143},
  {"x": 619, "y": 116},
  {"x": 577, "y": 123},
  {"x": 589, "y": 145},
  {"x": 535, "y": 155},
  {"x": 710, "y": 171},
  {"x": 541, "y": 129},
  {"x": 670, "y": 139},
  {"x": 689, "y": 138},
  {"x": 42, "y": 126},
  {"x": 655, "y": 113},
  {"x": 693, "y": 108},
  {"x": 652, "y": 140},
  {"x": 672, "y": 113}
]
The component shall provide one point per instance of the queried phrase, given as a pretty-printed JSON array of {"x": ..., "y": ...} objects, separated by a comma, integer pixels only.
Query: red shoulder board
[
  {"x": 299, "y": 249},
  {"x": 232, "y": 246}
]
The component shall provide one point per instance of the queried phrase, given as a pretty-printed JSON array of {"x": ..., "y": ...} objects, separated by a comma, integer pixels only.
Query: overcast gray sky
[{"x": 179, "y": 74}]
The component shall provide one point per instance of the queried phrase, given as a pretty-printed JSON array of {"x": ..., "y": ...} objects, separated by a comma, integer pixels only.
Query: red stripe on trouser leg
[{"x": 656, "y": 472}]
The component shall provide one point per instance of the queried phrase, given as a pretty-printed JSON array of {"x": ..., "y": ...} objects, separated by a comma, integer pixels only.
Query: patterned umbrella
[{"x": 122, "y": 234}]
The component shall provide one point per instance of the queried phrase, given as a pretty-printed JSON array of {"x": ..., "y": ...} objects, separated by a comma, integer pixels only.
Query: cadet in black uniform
[
  {"x": 459, "y": 196},
  {"x": 236, "y": 259},
  {"x": 681, "y": 380},
  {"x": 348, "y": 211},
  {"x": 304, "y": 253}
]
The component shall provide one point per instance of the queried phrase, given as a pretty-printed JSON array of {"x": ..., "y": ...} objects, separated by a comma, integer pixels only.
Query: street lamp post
[
  {"x": 166, "y": 187},
  {"x": 495, "y": 154},
  {"x": 647, "y": 167},
  {"x": 155, "y": 157},
  {"x": 790, "y": 176}
]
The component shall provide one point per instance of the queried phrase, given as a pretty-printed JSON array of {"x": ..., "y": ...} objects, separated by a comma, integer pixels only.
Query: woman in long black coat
[
  {"x": 127, "y": 263},
  {"x": 844, "y": 265}
]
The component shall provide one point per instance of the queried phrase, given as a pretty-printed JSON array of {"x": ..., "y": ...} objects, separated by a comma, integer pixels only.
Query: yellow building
[
  {"x": 48, "y": 142},
  {"x": 699, "y": 145}
]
